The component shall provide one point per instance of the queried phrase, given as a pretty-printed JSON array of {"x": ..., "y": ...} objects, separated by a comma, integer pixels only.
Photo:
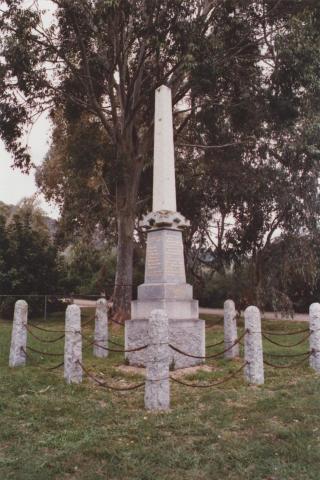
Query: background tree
[{"x": 229, "y": 63}]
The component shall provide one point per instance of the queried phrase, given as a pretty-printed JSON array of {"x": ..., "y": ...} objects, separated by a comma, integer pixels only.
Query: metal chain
[
  {"x": 209, "y": 356},
  {"x": 45, "y": 329},
  {"x": 42, "y": 339},
  {"x": 224, "y": 380},
  {"x": 215, "y": 344},
  {"x": 287, "y": 346},
  {"x": 288, "y": 355},
  {"x": 39, "y": 366},
  {"x": 287, "y": 366},
  {"x": 45, "y": 353},
  {"x": 112, "y": 349},
  {"x": 105, "y": 385},
  {"x": 296, "y": 332}
]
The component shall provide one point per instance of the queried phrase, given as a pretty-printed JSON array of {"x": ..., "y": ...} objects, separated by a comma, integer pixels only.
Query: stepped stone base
[
  {"x": 165, "y": 288},
  {"x": 186, "y": 334}
]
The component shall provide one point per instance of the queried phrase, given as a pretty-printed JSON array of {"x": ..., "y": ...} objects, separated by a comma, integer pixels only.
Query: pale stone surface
[
  {"x": 187, "y": 335},
  {"x": 18, "y": 347},
  {"x": 253, "y": 352},
  {"x": 175, "y": 308},
  {"x": 314, "y": 317},
  {"x": 230, "y": 329},
  {"x": 164, "y": 185},
  {"x": 101, "y": 329},
  {"x": 164, "y": 258},
  {"x": 73, "y": 345},
  {"x": 165, "y": 284},
  {"x": 157, "y": 388},
  {"x": 165, "y": 291}
]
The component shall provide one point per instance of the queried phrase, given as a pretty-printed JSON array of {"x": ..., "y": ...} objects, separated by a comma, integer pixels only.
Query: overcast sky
[{"x": 15, "y": 185}]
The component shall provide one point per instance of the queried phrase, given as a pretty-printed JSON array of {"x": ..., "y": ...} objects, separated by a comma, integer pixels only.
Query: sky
[{"x": 14, "y": 185}]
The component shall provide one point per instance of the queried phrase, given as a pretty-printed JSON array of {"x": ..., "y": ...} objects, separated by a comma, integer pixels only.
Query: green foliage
[{"x": 29, "y": 261}]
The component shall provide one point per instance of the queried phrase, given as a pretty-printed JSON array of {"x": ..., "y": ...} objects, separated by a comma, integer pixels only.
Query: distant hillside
[
  {"x": 5, "y": 209},
  {"x": 52, "y": 224}
]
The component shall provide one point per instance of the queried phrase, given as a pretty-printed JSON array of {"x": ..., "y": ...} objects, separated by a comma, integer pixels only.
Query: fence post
[
  {"x": 101, "y": 329},
  {"x": 230, "y": 329},
  {"x": 73, "y": 345},
  {"x": 18, "y": 346},
  {"x": 253, "y": 352},
  {"x": 157, "y": 388},
  {"x": 314, "y": 319}
]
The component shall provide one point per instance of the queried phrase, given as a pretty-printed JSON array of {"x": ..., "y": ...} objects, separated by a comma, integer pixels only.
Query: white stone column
[
  {"x": 73, "y": 345},
  {"x": 101, "y": 329},
  {"x": 164, "y": 184},
  {"x": 157, "y": 389},
  {"x": 314, "y": 319},
  {"x": 230, "y": 329},
  {"x": 18, "y": 347},
  {"x": 253, "y": 352}
]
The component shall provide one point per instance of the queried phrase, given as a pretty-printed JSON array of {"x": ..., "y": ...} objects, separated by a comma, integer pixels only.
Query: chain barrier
[
  {"x": 105, "y": 385},
  {"x": 88, "y": 321},
  {"x": 45, "y": 329},
  {"x": 215, "y": 344},
  {"x": 42, "y": 339},
  {"x": 296, "y": 332},
  {"x": 113, "y": 349},
  {"x": 115, "y": 343},
  {"x": 288, "y": 355},
  {"x": 206, "y": 357},
  {"x": 288, "y": 366},
  {"x": 287, "y": 346},
  {"x": 45, "y": 353},
  {"x": 224, "y": 380},
  {"x": 39, "y": 366}
]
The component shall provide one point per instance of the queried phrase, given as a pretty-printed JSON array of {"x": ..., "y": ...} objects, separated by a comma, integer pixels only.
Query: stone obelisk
[{"x": 165, "y": 284}]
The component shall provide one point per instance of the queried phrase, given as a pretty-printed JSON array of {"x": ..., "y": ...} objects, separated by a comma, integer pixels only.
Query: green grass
[{"x": 50, "y": 430}]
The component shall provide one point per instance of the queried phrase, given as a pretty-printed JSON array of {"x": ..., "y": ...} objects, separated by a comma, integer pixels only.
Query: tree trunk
[
  {"x": 127, "y": 211},
  {"x": 123, "y": 284}
]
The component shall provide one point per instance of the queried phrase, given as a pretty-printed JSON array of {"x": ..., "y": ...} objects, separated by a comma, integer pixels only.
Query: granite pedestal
[{"x": 165, "y": 288}]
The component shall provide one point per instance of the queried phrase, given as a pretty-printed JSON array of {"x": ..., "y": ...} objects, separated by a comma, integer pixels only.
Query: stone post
[
  {"x": 253, "y": 352},
  {"x": 101, "y": 329},
  {"x": 230, "y": 329},
  {"x": 314, "y": 319},
  {"x": 18, "y": 347},
  {"x": 73, "y": 345},
  {"x": 157, "y": 389}
]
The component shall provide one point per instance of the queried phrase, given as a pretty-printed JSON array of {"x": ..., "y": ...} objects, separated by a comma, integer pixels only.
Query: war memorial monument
[{"x": 165, "y": 284}]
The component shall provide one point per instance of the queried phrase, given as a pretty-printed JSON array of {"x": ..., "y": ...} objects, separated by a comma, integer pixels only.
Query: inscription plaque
[{"x": 164, "y": 259}]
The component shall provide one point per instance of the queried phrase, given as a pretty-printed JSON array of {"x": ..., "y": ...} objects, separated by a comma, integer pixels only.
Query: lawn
[{"x": 50, "y": 430}]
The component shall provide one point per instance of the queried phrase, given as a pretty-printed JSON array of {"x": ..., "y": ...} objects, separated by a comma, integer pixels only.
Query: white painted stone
[
  {"x": 314, "y": 318},
  {"x": 101, "y": 329},
  {"x": 73, "y": 345},
  {"x": 230, "y": 329},
  {"x": 186, "y": 334},
  {"x": 18, "y": 347},
  {"x": 157, "y": 388},
  {"x": 253, "y": 352},
  {"x": 164, "y": 186}
]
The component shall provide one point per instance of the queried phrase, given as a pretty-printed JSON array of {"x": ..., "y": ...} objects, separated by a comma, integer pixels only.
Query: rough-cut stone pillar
[
  {"x": 73, "y": 345},
  {"x": 230, "y": 329},
  {"x": 157, "y": 389},
  {"x": 101, "y": 329},
  {"x": 314, "y": 318},
  {"x": 253, "y": 353},
  {"x": 18, "y": 347}
]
